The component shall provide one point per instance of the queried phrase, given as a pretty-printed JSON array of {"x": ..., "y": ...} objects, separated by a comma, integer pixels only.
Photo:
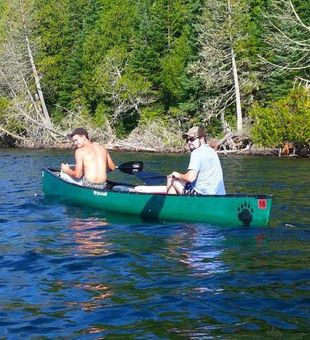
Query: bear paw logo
[{"x": 245, "y": 213}]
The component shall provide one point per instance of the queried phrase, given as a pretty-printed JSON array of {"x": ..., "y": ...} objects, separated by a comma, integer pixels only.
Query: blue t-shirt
[{"x": 209, "y": 179}]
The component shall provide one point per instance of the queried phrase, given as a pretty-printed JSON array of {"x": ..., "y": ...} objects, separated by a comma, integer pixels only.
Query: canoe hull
[{"x": 233, "y": 210}]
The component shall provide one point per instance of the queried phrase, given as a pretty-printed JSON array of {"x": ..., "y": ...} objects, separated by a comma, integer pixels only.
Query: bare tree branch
[{"x": 288, "y": 39}]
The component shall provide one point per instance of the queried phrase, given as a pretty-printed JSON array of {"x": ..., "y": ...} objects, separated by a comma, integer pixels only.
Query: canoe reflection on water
[
  {"x": 210, "y": 251},
  {"x": 200, "y": 249}
]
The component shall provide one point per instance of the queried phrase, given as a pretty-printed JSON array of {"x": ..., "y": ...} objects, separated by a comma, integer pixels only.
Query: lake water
[{"x": 69, "y": 272}]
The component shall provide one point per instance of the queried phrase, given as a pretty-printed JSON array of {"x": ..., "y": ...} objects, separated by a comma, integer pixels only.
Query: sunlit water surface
[{"x": 72, "y": 272}]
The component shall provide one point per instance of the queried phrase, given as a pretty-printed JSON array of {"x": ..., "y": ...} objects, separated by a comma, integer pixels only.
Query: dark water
[{"x": 72, "y": 273}]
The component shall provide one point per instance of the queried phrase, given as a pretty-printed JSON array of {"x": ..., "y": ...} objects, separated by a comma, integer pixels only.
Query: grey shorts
[
  {"x": 83, "y": 181},
  {"x": 101, "y": 186}
]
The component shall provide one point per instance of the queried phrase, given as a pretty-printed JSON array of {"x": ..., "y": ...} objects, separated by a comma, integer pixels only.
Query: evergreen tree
[
  {"x": 163, "y": 47},
  {"x": 60, "y": 32},
  {"x": 114, "y": 90},
  {"x": 149, "y": 41},
  {"x": 178, "y": 51}
]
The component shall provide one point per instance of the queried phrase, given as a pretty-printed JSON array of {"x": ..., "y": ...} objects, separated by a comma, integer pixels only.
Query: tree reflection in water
[{"x": 98, "y": 291}]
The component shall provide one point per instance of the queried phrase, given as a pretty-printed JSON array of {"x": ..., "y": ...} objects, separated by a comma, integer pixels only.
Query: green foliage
[
  {"x": 150, "y": 113},
  {"x": 173, "y": 66},
  {"x": 101, "y": 114},
  {"x": 163, "y": 47},
  {"x": 214, "y": 128},
  {"x": 150, "y": 40},
  {"x": 121, "y": 89},
  {"x": 60, "y": 37},
  {"x": 126, "y": 124},
  {"x": 4, "y": 104},
  {"x": 286, "y": 47},
  {"x": 284, "y": 120},
  {"x": 8, "y": 121},
  {"x": 109, "y": 34},
  {"x": 128, "y": 63}
]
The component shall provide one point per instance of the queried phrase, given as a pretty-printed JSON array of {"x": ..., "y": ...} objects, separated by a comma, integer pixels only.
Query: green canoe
[{"x": 232, "y": 210}]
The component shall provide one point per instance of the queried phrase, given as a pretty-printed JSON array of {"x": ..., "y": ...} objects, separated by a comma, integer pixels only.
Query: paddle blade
[
  {"x": 151, "y": 178},
  {"x": 131, "y": 168}
]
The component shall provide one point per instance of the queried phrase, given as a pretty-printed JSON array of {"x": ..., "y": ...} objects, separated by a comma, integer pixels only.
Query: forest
[{"x": 137, "y": 73}]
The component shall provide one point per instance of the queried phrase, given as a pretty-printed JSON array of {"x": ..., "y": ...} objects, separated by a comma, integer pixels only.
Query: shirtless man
[{"x": 92, "y": 161}]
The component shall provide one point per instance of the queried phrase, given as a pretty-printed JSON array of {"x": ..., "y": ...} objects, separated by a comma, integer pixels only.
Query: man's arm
[
  {"x": 78, "y": 170},
  {"x": 193, "y": 168},
  {"x": 110, "y": 164},
  {"x": 189, "y": 176}
]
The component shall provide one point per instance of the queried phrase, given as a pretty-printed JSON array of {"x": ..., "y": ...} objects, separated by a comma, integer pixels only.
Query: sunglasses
[{"x": 191, "y": 139}]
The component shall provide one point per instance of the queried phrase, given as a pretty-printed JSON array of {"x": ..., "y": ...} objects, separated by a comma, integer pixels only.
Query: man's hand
[
  {"x": 65, "y": 168},
  {"x": 189, "y": 176},
  {"x": 175, "y": 174}
]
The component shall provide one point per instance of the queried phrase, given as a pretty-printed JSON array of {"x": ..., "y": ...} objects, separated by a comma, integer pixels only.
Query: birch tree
[
  {"x": 223, "y": 72},
  {"x": 20, "y": 79}
]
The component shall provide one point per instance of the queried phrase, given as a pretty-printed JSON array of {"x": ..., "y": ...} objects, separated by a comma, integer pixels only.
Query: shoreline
[{"x": 253, "y": 151}]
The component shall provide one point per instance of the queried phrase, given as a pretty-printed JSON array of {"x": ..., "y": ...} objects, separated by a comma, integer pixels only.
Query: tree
[
  {"x": 284, "y": 120},
  {"x": 114, "y": 91},
  {"x": 286, "y": 53},
  {"x": 162, "y": 49},
  {"x": 288, "y": 38},
  {"x": 149, "y": 41},
  {"x": 20, "y": 79},
  {"x": 178, "y": 50},
  {"x": 122, "y": 91},
  {"x": 61, "y": 27},
  {"x": 224, "y": 65}
]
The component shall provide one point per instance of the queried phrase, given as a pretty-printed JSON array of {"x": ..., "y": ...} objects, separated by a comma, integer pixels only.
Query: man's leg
[{"x": 175, "y": 186}]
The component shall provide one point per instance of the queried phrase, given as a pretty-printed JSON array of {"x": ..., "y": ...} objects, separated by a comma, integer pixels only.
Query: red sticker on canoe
[{"x": 262, "y": 204}]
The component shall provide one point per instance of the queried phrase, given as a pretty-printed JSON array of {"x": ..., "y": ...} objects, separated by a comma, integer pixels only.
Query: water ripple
[{"x": 72, "y": 272}]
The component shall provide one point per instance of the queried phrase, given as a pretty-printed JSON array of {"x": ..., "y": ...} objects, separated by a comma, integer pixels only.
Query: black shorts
[{"x": 189, "y": 190}]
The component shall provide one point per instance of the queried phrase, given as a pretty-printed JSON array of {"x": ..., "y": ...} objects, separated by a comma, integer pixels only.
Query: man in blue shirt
[{"x": 204, "y": 175}]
